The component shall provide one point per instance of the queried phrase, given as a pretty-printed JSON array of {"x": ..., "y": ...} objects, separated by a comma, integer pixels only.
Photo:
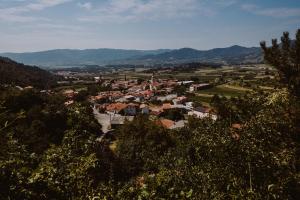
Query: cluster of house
[{"x": 113, "y": 108}]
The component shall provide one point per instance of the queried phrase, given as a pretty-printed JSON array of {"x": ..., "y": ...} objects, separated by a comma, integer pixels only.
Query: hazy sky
[{"x": 33, "y": 25}]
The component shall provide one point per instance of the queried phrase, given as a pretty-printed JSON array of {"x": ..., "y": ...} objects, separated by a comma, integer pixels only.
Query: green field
[
  {"x": 225, "y": 90},
  {"x": 204, "y": 96}
]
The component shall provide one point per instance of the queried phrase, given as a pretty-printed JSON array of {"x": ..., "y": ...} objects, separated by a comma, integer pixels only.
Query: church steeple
[{"x": 151, "y": 82}]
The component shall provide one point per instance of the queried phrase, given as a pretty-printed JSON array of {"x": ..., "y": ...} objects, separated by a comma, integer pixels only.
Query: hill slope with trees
[
  {"x": 12, "y": 72},
  {"x": 234, "y": 55}
]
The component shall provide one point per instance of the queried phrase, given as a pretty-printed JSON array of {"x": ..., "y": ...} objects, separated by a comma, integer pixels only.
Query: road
[{"x": 103, "y": 119}]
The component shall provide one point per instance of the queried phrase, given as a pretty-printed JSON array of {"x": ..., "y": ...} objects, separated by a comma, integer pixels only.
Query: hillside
[
  {"x": 67, "y": 57},
  {"x": 12, "y": 72}
]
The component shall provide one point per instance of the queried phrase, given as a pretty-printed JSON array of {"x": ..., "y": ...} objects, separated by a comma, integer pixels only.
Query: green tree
[
  {"x": 140, "y": 144},
  {"x": 285, "y": 57}
]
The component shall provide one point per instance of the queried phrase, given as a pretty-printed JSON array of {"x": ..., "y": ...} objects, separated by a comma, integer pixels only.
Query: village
[
  {"x": 169, "y": 101},
  {"x": 156, "y": 98}
]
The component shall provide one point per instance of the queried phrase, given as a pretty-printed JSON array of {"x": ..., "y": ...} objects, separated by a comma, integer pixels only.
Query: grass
[
  {"x": 202, "y": 99},
  {"x": 236, "y": 87},
  {"x": 224, "y": 90},
  {"x": 204, "y": 96},
  {"x": 77, "y": 87}
]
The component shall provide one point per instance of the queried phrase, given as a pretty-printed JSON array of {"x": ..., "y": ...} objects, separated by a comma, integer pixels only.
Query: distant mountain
[
  {"x": 67, "y": 57},
  {"x": 231, "y": 55},
  {"x": 12, "y": 72}
]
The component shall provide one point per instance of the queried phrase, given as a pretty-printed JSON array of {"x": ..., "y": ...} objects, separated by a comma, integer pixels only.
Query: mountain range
[{"x": 70, "y": 57}]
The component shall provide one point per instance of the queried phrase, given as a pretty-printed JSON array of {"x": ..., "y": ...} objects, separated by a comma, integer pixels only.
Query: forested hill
[
  {"x": 231, "y": 55},
  {"x": 12, "y": 72}
]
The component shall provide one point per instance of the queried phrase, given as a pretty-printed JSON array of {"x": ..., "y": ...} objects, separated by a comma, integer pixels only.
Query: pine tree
[{"x": 285, "y": 57}]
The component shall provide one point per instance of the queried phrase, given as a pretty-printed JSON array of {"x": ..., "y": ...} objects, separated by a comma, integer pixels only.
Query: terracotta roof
[
  {"x": 143, "y": 105},
  {"x": 156, "y": 113},
  {"x": 166, "y": 123},
  {"x": 166, "y": 106},
  {"x": 236, "y": 126},
  {"x": 146, "y": 92},
  {"x": 156, "y": 84},
  {"x": 133, "y": 104},
  {"x": 116, "y": 107},
  {"x": 181, "y": 98},
  {"x": 98, "y": 97},
  {"x": 156, "y": 108},
  {"x": 234, "y": 131}
]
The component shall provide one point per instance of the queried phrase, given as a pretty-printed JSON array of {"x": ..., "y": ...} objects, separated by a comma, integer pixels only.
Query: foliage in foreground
[{"x": 52, "y": 152}]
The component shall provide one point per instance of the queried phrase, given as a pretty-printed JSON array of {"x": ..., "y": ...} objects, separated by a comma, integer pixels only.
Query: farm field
[
  {"x": 224, "y": 90},
  {"x": 204, "y": 96}
]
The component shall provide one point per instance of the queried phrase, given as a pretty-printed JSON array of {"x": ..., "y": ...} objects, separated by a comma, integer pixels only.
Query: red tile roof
[
  {"x": 166, "y": 106},
  {"x": 116, "y": 107},
  {"x": 236, "y": 126},
  {"x": 166, "y": 123}
]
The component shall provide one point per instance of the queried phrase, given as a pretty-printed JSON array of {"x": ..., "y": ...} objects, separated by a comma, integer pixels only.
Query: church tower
[{"x": 151, "y": 82}]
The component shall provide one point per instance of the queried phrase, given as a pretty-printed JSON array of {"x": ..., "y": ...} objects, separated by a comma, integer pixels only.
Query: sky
[{"x": 36, "y": 25}]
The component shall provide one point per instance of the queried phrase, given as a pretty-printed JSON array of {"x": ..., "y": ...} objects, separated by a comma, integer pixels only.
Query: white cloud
[
  {"x": 18, "y": 13},
  {"x": 225, "y": 3},
  {"x": 137, "y": 10},
  {"x": 272, "y": 12},
  {"x": 42, "y": 4},
  {"x": 87, "y": 5}
]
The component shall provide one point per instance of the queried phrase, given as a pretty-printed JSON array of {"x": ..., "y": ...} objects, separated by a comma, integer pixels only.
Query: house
[
  {"x": 178, "y": 124},
  {"x": 189, "y": 104},
  {"x": 202, "y": 112},
  {"x": 185, "y": 82},
  {"x": 113, "y": 95},
  {"x": 116, "y": 107},
  {"x": 131, "y": 109},
  {"x": 129, "y": 97},
  {"x": 166, "y": 106},
  {"x": 117, "y": 120},
  {"x": 67, "y": 103},
  {"x": 155, "y": 113},
  {"x": 135, "y": 88},
  {"x": 69, "y": 93},
  {"x": 121, "y": 100},
  {"x": 180, "y": 100},
  {"x": 144, "y": 109},
  {"x": 147, "y": 94},
  {"x": 236, "y": 126},
  {"x": 139, "y": 98},
  {"x": 45, "y": 91},
  {"x": 235, "y": 131},
  {"x": 19, "y": 87},
  {"x": 155, "y": 85},
  {"x": 196, "y": 87},
  {"x": 169, "y": 97},
  {"x": 28, "y": 88},
  {"x": 166, "y": 123},
  {"x": 97, "y": 79}
]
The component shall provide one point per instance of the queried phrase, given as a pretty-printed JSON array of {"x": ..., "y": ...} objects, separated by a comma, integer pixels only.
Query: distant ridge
[
  {"x": 234, "y": 54},
  {"x": 70, "y": 57}
]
